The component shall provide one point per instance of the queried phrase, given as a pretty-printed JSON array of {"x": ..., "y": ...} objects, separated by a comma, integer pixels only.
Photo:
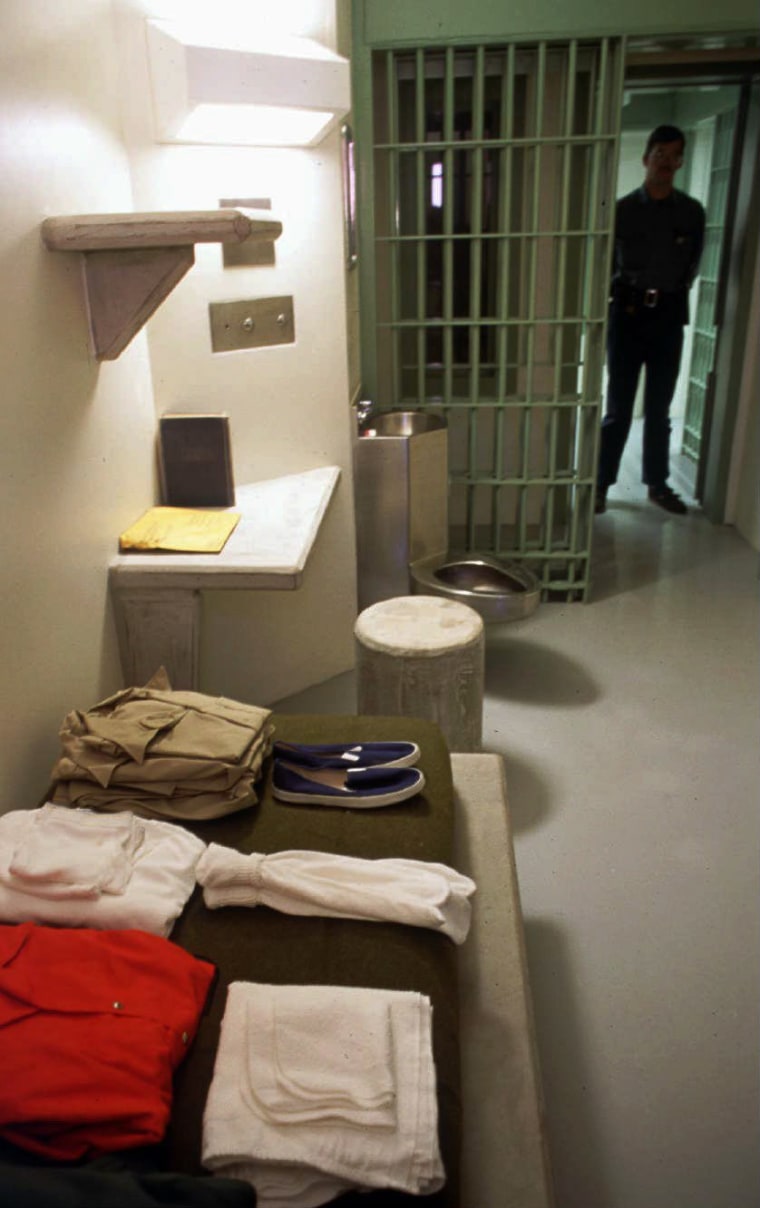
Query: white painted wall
[
  {"x": 288, "y": 405},
  {"x": 743, "y": 502},
  {"x": 77, "y": 444},
  {"x": 75, "y": 447}
]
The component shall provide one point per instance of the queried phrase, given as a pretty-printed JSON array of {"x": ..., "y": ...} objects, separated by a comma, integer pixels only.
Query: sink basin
[
  {"x": 401, "y": 498},
  {"x": 401, "y": 423}
]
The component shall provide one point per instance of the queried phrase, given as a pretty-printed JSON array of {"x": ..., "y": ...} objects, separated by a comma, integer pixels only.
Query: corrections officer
[{"x": 659, "y": 234}]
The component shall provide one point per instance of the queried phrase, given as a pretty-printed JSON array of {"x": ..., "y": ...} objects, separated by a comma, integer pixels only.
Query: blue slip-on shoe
[
  {"x": 362, "y": 788},
  {"x": 345, "y": 755}
]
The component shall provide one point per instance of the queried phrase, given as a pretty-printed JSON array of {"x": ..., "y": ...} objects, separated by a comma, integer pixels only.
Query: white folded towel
[
  {"x": 73, "y": 853},
  {"x": 302, "y": 1164},
  {"x": 302, "y": 1068},
  {"x": 161, "y": 880},
  {"x": 307, "y": 882}
]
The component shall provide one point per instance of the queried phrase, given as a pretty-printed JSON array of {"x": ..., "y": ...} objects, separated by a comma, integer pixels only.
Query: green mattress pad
[{"x": 262, "y": 945}]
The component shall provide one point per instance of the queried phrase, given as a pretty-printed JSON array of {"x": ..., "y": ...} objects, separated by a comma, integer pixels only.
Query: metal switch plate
[
  {"x": 250, "y": 251},
  {"x": 256, "y": 323}
]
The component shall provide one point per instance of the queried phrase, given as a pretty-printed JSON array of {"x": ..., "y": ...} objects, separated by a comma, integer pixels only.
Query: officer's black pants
[{"x": 653, "y": 338}]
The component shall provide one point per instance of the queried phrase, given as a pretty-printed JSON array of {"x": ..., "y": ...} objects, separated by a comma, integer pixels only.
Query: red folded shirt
[{"x": 92, "y": 1026}]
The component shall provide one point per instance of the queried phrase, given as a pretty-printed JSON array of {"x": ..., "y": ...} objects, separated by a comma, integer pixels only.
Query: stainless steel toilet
[
  {"x": 498, "y": 591},
  {"x": 402, "y": 529}
]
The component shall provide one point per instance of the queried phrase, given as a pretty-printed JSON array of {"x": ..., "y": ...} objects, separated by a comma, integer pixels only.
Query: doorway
[
  {"x": 487, "y": 189},
  {"x": 709, "y": 116}
]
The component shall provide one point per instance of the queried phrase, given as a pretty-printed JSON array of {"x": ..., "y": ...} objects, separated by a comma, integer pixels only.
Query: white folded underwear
[
  {"x": 155, "y": 879},
  {"x": 65, "y": 853}
]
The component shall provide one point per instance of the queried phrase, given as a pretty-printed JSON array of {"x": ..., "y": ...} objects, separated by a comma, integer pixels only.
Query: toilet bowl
[{"x": 498, "y": 591}]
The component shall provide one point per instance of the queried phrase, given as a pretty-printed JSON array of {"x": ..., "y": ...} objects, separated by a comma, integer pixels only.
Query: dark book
[{"x": 196, "y": 461}]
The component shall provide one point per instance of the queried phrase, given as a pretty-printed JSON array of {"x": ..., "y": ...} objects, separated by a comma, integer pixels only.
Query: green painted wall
[{"x": 396, "y": 20}]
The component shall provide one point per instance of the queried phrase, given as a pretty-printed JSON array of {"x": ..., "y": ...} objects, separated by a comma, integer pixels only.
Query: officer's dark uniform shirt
[{"x": 658, "y": 243}]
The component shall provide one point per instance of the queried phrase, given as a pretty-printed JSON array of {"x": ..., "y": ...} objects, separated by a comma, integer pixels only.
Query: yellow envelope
[{"x": 180, "y": 530}]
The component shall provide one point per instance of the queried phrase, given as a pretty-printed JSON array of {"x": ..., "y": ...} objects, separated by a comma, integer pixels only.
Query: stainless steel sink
[
  {"x": 401, "y": 423},
  {"x": 401, "y": 497}
]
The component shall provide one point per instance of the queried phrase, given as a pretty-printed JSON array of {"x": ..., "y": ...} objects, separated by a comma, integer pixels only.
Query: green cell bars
[{"x": 493, "y": 201}]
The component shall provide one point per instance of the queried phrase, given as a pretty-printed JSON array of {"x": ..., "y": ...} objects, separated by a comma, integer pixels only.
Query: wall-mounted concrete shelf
[
  {"x": 157, "y": 597},
  {"x": 131, "y": 262}
]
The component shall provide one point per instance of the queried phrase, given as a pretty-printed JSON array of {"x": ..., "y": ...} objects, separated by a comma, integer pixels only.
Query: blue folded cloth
[
  {"x": 343, "y": 755},
  {"x": 364, "y": 787}
]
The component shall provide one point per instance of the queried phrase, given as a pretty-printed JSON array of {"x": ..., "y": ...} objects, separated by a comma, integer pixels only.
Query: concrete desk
[{"x": 157, "y": 597}]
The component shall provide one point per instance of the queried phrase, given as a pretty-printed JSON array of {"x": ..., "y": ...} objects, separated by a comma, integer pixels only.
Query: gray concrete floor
[{"x": 629, "y": 730}]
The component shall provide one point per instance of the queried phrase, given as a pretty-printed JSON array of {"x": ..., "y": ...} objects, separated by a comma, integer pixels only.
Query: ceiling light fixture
[{"x": 286, "y": 92}]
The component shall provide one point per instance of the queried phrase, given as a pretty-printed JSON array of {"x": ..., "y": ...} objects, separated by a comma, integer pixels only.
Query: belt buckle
[{"x": 651, "y": 297}]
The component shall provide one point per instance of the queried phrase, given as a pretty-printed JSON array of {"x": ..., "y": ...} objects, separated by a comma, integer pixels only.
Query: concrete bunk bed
[{"x": 490, "y": 1123}]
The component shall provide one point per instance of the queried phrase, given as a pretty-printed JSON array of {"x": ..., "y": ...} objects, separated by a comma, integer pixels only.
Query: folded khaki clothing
[
  {"x": 175, "y": 724},
  {"x": 170, "y": 803},
  {"x": 320, "y": 883},
  {"x": 157, "y": 770},
  {"x": 162, "y": 753}
]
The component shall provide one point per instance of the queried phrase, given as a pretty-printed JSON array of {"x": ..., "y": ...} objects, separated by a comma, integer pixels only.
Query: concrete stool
[{"x": 422, "y": 656}]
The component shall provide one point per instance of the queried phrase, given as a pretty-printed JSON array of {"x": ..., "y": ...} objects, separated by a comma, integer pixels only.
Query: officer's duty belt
[{"x": 629, "y": 295}]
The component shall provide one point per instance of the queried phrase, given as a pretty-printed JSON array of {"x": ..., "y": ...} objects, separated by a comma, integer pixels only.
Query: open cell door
[{"x": 487, "y": 208}]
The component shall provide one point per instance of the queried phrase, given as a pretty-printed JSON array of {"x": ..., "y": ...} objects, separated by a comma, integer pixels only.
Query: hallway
[{"x": 629, "y": 729}]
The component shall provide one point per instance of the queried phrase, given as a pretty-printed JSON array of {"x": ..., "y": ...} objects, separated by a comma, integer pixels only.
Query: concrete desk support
[{"x": 157, "y": 597}]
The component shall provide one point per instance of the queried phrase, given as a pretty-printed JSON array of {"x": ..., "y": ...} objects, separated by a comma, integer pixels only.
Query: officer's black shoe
[
  {"x": 600, "y": 502},
  {"x": 667, "y": 499}
]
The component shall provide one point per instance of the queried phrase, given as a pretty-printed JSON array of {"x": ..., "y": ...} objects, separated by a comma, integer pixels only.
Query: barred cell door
[
  {"x": 488, "y": 227},
  {"x": 705, "y": 319}
]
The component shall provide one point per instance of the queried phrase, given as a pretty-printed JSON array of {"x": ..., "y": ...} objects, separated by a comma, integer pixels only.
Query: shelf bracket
[
  {"x": 124, "y": 288},
  {"x": 131, "y": 262}
]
